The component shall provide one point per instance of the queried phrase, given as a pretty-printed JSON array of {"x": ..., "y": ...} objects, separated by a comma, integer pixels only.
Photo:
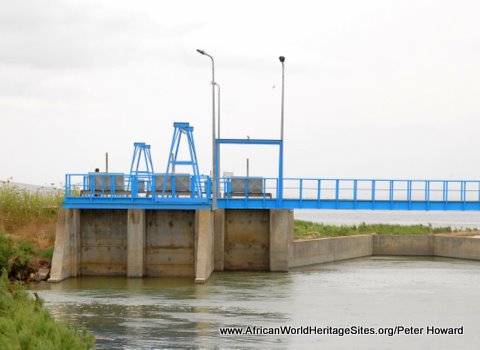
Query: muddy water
[{"x": 362, "y": 294}]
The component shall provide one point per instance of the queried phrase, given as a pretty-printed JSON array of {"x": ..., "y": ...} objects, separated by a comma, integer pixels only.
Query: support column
[
  {"x": 66, "y": 255},
  {"x": 281, "y": 236},
  {"x": 136, "y": 239},
  {"x": 204, "y": 255},
  {"x": 219, "y": 239}
]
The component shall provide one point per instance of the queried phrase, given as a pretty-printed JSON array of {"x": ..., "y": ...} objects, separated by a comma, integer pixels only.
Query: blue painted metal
[
  {"x": 180, "y": 129},
  {"x": 111, "y": 194},
  {"x": 278, "y": 143},
  {"x": 299, "y": 193},
  {"x": 142, "y": 174}
]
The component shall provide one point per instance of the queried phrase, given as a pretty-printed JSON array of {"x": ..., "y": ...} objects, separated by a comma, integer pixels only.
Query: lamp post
[
  {"x": 282, "y": 60},
  {"x": 214, "y": 169},
  {"x": 280, "y": 180}
]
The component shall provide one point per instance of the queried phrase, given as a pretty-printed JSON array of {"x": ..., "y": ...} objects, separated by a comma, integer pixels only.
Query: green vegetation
[
  {"x": 29, "y": 218},
  {"x": 19, "y": 207},
  {"x": 15, "y": 258},
  {"x": 309, "y": 230},
  {"x": 26, "y": 324}
]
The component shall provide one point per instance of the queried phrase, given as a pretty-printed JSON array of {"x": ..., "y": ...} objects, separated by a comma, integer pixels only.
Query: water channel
[{"x": 372, "y": 292}]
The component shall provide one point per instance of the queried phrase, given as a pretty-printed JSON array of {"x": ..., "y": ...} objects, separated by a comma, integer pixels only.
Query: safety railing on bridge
[
  {"x": 259, "y": 192},
  {"x": 174, "y": 187},
  {"x": 352, "y": 193}
]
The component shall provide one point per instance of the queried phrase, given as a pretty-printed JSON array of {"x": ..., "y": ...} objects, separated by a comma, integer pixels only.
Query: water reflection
[{"x": 374, "y": 292}]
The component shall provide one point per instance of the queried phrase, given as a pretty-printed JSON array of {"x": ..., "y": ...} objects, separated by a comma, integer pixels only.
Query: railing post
[
  {"x": 319, "y": 185},
  {"x": 301, "y": 191},
  {"x": 337, "y": 192},
  {"x": 409, "y": 193},
  {"x": 391, "y": 194},
  {"x": 373, "y": 194},
  {"x": 355, "y": 194}
]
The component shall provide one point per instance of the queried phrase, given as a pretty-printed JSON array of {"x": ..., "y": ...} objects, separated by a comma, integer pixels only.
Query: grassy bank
[
  {"x": 19, "y": 207},
  {"x": 26, "y": 324},
  {"x": 27, "y": 237},
  {"x": 27, "y": 227},
  {"x": 311, "y": 230}
]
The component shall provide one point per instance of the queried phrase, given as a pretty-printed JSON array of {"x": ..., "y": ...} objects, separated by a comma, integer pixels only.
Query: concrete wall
[
  {"x": 170, "y": 243},
  {"x": 457, "y": 247},
  {"x": 103, "y": 235},
  {"x": 323, "y": 250},
  {"x": 403, "y": 245},
  {"x": 316, "y": 251},
  {"x": 247, "y": 240}
]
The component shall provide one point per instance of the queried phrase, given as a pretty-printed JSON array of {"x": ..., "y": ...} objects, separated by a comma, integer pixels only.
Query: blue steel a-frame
[
  {"x": 182, "y": 128},
  {"x": 138, "y": 172}
]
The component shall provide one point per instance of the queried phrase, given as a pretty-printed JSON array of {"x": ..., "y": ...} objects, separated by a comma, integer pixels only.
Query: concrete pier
[
  {"x": 66, "y": 257},
  {"x": 136, "y": 243}
]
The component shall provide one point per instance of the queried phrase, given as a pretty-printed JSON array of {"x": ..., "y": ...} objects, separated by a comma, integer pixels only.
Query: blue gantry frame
[{"x": 279, "y": 143}]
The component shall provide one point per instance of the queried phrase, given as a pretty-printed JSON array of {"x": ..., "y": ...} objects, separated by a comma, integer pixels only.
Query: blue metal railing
[
  {"x": 367, "y": 194},
  {"x": 118, "y": 190},
  {"x": 122, "y": 190}
]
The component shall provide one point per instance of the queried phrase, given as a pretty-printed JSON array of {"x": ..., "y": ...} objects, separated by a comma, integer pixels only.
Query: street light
[
  {"x": 214, "y": 169},
  {"x": 280, "y": 175},
  {"x": 282, "y": 60}
]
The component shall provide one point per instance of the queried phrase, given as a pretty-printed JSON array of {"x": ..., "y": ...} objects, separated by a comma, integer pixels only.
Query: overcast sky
[{"x": 374, "y": 89}]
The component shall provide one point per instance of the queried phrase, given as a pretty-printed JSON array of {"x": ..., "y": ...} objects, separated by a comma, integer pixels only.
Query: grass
[
  {"x": 26, "y": 324},
  {"x": 28, "y": 219},
  {"x": 311, "y": 230},
  {"x": 19, "y": 207}
]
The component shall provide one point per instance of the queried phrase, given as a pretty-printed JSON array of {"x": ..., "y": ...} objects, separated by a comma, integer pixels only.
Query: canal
[{"x": 362, "y": 295}]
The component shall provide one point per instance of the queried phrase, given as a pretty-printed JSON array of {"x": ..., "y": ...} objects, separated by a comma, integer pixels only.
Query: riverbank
[
  {"x": 26, "y": 324},
  {"x": 27, "y": 230}
]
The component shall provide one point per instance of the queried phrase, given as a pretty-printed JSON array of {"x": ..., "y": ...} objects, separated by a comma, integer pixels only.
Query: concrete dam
[{"x": 170, "y": 243}]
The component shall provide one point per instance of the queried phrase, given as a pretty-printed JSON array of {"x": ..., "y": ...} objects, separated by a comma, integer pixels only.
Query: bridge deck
[{"x": 119, "y": 191}]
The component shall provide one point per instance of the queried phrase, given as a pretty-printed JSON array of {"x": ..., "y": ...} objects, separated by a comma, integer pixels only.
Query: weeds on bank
[
  {"x": 26, "y": 324},
  {"x": 19, "y": 207},
  {"x": 308, "y": 230}
]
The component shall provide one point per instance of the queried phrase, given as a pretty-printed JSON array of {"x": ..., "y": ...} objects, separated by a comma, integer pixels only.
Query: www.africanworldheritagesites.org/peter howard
[{"x": 341, "y": 331}]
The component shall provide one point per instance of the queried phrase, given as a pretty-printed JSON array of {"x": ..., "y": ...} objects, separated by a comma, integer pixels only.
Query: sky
[{"x": 373, "y": 89}]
